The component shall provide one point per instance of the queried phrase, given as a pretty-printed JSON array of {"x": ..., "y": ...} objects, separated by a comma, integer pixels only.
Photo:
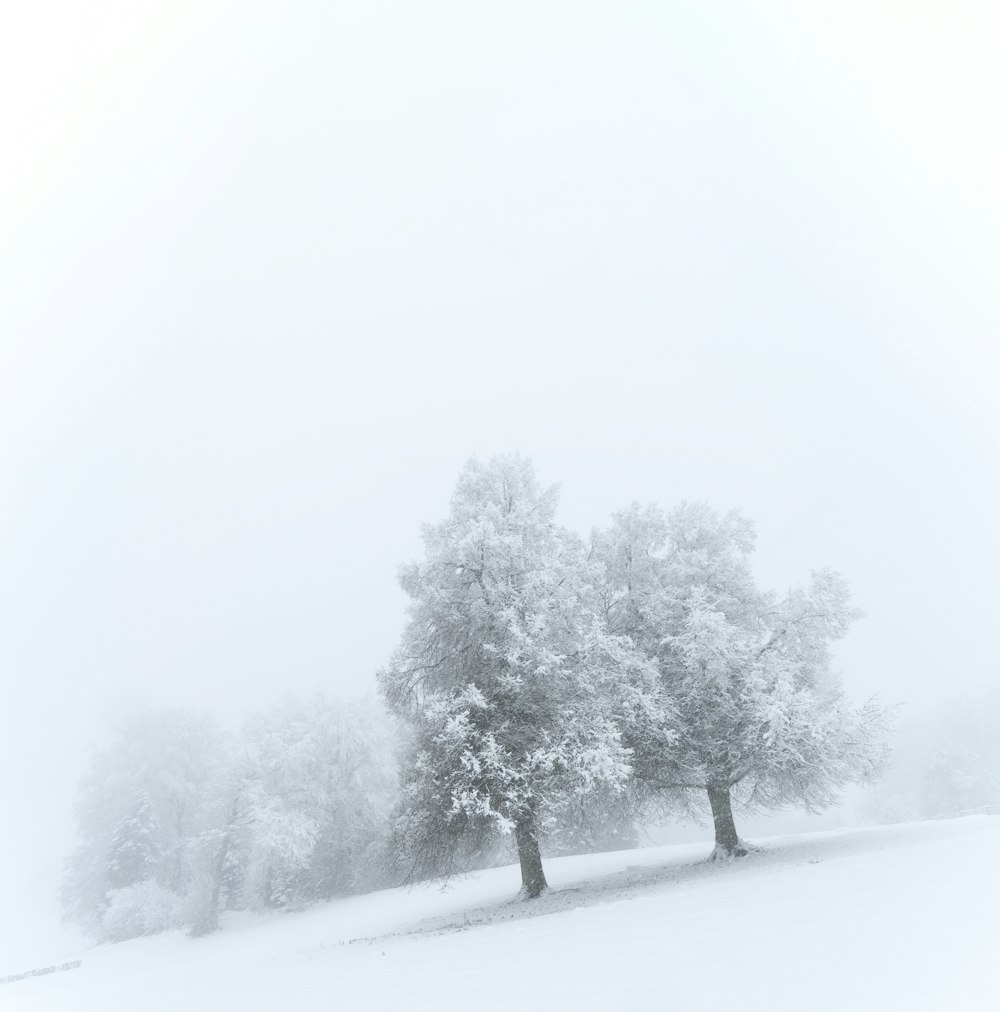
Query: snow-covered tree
[
  {"x": 760, "y": 717},
  {"x": 146, "y": 799},
  {"x": 319, "y": 780},
  {"x": 507, "y": 671},
  {"x": 134, "y": 852}
]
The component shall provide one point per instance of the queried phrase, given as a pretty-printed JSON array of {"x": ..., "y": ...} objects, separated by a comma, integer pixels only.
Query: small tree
[
  {"x": 761, "y": 718},
  {"x": 507, "y": 672}
]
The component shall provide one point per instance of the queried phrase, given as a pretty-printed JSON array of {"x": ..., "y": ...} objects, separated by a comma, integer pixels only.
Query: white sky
[{"x": 269, "y": 273}]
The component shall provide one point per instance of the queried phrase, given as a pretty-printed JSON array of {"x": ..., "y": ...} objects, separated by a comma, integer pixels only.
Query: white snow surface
[{"x": 900, "y": 917}]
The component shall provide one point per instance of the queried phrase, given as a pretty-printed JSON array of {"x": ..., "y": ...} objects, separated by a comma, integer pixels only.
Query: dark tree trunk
[
  {"x": 727, "y": 841},
  {"x": 533, "y": 882}
]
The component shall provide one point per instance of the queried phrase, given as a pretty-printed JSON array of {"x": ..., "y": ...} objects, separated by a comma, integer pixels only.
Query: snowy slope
[{"x": 901, "y": 917}]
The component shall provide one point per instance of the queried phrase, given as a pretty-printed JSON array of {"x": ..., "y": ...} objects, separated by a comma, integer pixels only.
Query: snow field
[{"x": 900, "y": 917}]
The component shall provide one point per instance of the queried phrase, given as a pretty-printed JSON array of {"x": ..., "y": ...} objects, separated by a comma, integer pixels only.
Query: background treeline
[
  {"x": 943, "y": 765},
  {"x": 179, "y": 819},
  {"x": 548, "y": 693}
]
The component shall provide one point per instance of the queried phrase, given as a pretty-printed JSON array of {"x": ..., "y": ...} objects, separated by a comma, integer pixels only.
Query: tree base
[
  {"x": 525, "y": 894},
  {"x": 742, "y": 849},
  {"x": 203, "y": 928}
]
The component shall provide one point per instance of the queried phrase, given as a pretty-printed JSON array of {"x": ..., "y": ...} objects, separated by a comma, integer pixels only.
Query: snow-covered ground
[{"x": 900, "y": 917}]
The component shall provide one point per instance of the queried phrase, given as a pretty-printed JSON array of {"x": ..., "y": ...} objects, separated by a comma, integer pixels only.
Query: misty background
[{"x": 270, "y": 273}]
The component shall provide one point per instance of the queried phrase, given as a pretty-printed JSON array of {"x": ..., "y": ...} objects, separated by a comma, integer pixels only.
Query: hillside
[{"x": 899, "y": 917}]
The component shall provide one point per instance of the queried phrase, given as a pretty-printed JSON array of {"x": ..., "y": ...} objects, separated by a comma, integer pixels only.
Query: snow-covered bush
[{"x": 144, "y": 908}]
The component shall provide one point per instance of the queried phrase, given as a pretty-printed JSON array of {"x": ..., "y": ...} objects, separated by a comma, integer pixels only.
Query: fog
[{"x": 270, "y": 274}]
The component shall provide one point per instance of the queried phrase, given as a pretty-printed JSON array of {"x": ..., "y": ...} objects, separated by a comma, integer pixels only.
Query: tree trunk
[
  {"x": 209, "y": 921},
  {"x": 727, "y": 841},
  {"x": 533, "y": 882}
]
